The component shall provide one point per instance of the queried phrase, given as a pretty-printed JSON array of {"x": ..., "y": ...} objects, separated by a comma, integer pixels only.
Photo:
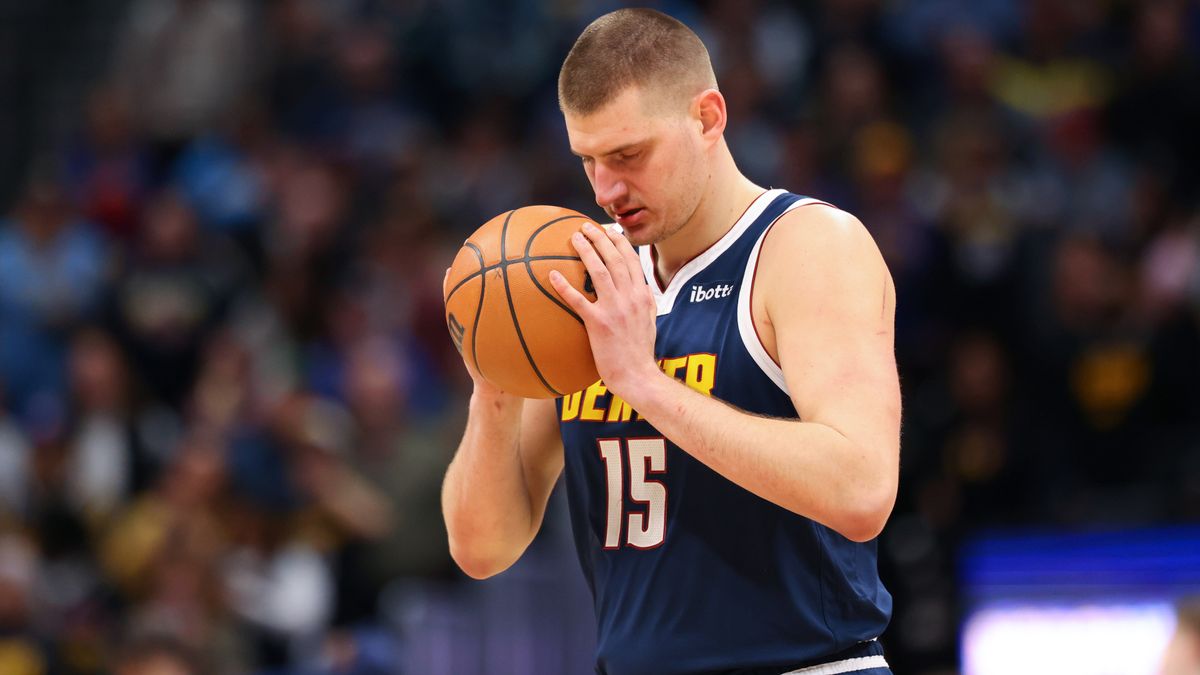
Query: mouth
[{"x": 628, "y": 217}]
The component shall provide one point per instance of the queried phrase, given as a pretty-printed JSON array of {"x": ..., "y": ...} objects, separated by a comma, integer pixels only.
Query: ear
[{"x": 709, "y": 109}]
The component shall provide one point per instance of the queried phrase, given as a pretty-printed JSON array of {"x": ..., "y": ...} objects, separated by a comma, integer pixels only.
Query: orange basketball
[{"x": 506, "y": 319}]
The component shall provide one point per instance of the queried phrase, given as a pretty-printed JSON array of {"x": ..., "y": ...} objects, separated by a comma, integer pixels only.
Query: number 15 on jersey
[{"x": 643, "y": 528}]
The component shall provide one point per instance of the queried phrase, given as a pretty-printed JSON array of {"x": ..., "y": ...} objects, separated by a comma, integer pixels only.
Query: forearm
[
  {"x": 808, "y": 468},
  {"x": 485, "y": 497}
]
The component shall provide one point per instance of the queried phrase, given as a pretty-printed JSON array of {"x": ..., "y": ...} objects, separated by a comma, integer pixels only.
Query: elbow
[
  {"x": 479, "y": 560},
  {"x": 478, "y": 568},
  {"x": 866, "y": 516},
  {"x": 483, "y": 549},
  {"x": 477, "y": 549},
  {"x": 863, "y": 530},
  {"x": 477, "y": 565}
]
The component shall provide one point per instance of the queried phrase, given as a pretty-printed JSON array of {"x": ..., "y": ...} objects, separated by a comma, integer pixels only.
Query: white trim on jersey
[
  {"x": 746, "y": 322},
  {"x": 665, "y": 299},
  {"x": 848, "y": 666}
]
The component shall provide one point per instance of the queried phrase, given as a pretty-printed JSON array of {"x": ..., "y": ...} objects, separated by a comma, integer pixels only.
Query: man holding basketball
[{"x": 729, "y": 474}]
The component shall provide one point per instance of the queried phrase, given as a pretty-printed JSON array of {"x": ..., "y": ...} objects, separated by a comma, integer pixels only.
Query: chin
[
  {"x": 638, "y": 239},
  {"x": 641, "y": 235}
]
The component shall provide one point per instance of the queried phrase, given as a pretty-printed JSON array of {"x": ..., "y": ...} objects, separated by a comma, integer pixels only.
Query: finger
[
  {"x": 609, "y": 254},
  {"x": 628, "y": 252},
  {"x": 575, "y": 300},
  {"x": 601, "y": 276}
]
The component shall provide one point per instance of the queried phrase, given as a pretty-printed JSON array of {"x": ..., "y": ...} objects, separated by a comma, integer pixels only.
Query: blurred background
[{"x": 227, "y": 397}]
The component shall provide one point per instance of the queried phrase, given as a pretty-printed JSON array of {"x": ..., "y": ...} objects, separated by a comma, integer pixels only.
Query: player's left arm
[{"x": 830, "y": 305}]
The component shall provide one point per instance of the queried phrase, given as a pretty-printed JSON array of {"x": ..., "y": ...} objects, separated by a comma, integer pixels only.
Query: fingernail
[
  {"x": 577, "y": 237},
  {"x": 588, "y": 227}
]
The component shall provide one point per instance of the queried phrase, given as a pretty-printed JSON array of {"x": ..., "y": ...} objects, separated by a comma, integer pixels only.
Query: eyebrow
[{"x": 614, "y": 151}]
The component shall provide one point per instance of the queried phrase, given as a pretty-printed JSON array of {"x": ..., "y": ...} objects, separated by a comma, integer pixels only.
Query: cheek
[
  {"x": 688, "y": 179},
  {"x": 673, "y": 179},
  {"x": 670, "y": 182}
]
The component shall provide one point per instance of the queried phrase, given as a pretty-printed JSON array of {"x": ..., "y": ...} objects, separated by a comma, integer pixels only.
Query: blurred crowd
[{"x": 226, "y": 393}]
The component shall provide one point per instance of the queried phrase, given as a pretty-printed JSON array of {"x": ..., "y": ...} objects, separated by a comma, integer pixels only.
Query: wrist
[
  {"x": 640, "y": 388},
  {"x": 491, "y": 400}
]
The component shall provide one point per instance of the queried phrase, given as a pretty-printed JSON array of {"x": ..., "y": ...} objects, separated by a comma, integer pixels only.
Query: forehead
[{"x": 625, "y": 120}]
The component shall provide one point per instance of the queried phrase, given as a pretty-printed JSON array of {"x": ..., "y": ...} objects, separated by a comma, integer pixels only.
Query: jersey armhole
[{"x": 745, "y": 318}]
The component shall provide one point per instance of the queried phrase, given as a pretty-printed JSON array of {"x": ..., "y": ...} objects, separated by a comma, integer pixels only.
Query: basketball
[{"x": 504, "y": 316}]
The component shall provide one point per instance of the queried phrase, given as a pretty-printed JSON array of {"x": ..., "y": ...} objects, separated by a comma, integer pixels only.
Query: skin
[
  {"x": 1182, "y": 656},
  {"x": 824, "y": 307}
]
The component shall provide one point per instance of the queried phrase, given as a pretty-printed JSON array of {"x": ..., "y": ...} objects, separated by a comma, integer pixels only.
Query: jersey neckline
[{"x": 664, "y": 298}]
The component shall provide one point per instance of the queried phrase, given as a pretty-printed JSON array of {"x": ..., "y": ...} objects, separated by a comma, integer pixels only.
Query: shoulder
[{"x": 815, "y": 241}]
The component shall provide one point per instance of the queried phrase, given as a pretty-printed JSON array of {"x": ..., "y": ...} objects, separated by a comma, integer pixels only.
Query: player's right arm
[{"x": 497, "y": 486}]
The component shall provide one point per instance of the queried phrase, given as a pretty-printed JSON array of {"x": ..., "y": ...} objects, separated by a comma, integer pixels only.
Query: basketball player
[{"x": 729, "y": 474}]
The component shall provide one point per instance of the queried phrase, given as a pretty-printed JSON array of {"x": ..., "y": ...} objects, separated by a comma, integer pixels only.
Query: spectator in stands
[
  {"x": 52, "y": 269},
  {"x": 172, "y": 293},
  {"x": 182, "y": 65}
]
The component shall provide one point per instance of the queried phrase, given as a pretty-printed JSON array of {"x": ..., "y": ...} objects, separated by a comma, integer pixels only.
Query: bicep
[{"x": 833, "y": 310}]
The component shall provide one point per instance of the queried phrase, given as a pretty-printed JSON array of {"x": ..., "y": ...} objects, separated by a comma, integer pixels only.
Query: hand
[{"x": 621, "y": 322}]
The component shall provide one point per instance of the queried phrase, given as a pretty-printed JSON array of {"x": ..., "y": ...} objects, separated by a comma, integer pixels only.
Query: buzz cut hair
[{"x": 633, "y": 47}]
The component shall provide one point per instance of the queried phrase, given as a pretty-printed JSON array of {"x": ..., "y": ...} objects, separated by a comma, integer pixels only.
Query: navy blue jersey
[{"x": 691, "y": 573}]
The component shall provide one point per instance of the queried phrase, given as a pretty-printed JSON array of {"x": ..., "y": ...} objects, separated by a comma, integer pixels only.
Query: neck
[{"x": 726, "y": 197}]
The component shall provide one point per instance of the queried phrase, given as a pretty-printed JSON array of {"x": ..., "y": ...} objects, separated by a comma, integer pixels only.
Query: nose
[{"x": 609, "y": 187}]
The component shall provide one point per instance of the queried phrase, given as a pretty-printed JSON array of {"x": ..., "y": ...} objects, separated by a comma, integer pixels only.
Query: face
[{"x": 647, "y": 164}]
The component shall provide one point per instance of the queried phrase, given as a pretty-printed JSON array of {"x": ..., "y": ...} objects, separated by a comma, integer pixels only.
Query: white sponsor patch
[{"x": 701, "y": 292}]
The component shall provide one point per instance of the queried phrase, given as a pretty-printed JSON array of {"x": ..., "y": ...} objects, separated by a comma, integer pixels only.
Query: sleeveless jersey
[{"x": 689, "y": 572}]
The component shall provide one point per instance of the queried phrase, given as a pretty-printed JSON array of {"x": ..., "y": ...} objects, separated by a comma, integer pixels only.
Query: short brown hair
[{"x": 642, "y": 47}]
